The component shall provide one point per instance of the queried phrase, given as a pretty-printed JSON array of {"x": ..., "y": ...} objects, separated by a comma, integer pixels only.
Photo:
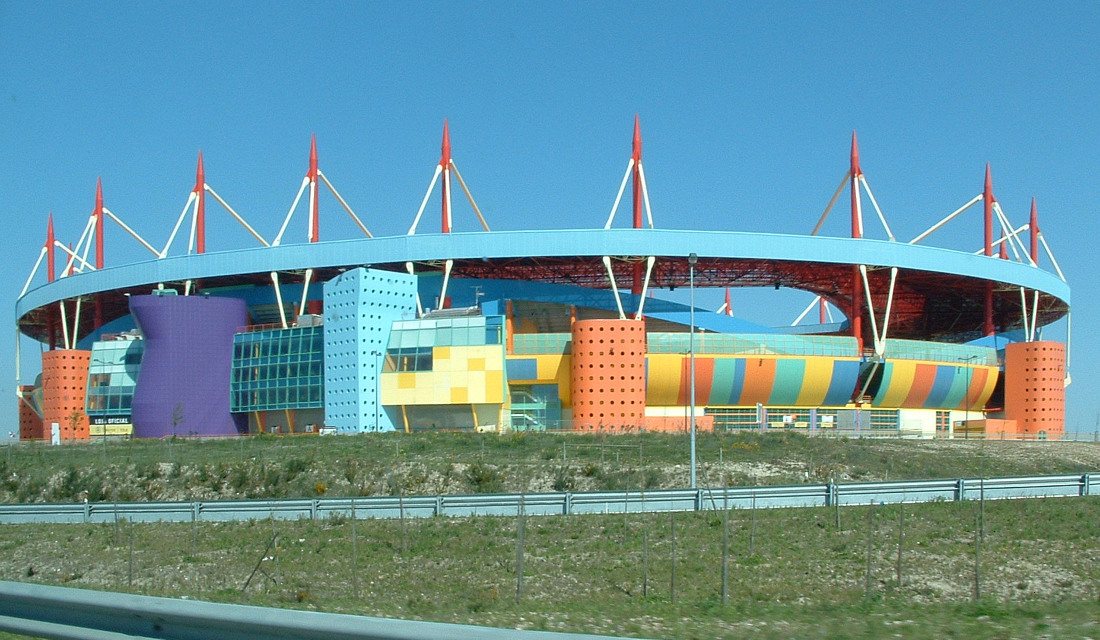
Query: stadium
[{"x": 566, "y": 329}]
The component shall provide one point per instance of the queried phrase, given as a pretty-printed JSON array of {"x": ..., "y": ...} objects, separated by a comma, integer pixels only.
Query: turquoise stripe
[
  {"x": 738, "y": 384},
  {"x": 721, "y": 383},
  {"x": 956, "y": 395},
  {"x": 789, "y": 374},
  {"x": 884, "y": 385}
]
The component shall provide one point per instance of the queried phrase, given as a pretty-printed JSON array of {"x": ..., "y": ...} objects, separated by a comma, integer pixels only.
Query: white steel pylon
[{"x": 444, "y": 168}]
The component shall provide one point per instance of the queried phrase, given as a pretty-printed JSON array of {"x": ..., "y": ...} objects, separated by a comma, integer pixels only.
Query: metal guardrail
[
  {"x": 61, "y": 612},
  {"x": 810, "y": 495}
]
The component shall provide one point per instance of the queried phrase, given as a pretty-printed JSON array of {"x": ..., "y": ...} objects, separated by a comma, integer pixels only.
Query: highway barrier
[{"x": 564, "y": 503}]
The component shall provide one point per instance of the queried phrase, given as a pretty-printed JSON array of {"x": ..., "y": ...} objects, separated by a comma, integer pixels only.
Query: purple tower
[{"x": 183, "y": 388}]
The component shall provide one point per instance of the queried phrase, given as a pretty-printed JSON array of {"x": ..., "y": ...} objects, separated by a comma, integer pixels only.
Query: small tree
[
  {"x": 177, "y": 418},
  {"x": 74, "y": 419}
]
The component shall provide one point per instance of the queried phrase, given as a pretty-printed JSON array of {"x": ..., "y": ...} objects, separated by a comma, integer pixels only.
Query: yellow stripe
[
  {"x": 901, "y": 382},
  {"x": 815, "y": 381},
  {"x": 663, "y": 384}
]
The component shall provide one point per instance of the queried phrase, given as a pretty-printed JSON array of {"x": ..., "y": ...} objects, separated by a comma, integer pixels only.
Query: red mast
[
  {"x": 98, "y": 213},
  {"x": 445, "y": 165},
  {"x": 200, "y": 211},
  {"x": 98, "y": 246},
  {"x": 51, "y": 270},
  {"x": 315, "y": 307},
  {"x": 314, "y": 208},
  {"x": 857, "y": 232},
  {"x": 1033, "y": 230},
  {"x": 988, "y": 200},
  {"x": 51, "y": 273},
  {"x": 636, "y": 183}
]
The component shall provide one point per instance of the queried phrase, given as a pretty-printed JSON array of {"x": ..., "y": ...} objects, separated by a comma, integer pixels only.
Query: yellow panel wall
[{"x": 459, "y": 375}]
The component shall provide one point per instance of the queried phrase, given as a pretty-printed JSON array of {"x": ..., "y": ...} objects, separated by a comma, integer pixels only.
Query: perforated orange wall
[
  {"x": 64, "y": 382},
  {"x": 1035, "y": 395},
  {"x": 608, "y": 375},
  {"x": 30, "y": 425}
]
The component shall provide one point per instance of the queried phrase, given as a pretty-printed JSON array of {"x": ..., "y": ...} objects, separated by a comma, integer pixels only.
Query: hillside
[{"x": 454, "y": 463}]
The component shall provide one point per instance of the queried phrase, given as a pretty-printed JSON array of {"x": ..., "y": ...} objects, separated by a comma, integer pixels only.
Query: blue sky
[{"x": 746, "y": 108}]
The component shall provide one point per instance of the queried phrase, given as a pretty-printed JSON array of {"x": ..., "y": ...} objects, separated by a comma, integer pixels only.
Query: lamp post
[
  {"x": 692, "y": 259},
  {"x": 105, "y": 365}
]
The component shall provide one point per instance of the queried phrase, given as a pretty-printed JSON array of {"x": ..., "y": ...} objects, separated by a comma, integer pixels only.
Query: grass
[
  {"x": 445, "y": 463},
  {"x": 793, "y": 572}
]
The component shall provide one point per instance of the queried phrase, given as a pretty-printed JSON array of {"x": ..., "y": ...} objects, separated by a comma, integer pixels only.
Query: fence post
[{"x": 960, "y": 490}]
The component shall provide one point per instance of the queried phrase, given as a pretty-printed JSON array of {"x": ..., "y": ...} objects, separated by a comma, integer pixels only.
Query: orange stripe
[
  {"x": 759, "y": 379},
  {"x": 978, "y": 378},
  {"x": 924, "y": 376},
  {"x": 704, "y": 379}
]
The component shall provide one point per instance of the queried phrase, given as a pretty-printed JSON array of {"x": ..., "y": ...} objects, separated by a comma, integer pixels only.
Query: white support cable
[
  {"x": 194, "y": 227},
  {"x": 409, "y": 267},
  {"x": 859, "y": 211},
  {"x": 130, "y": 231},
  {"x": 279, "y": 238},
  {"x": 279, "y": 297},
  {"x": 73, "y": 257},
  {"x": 73, "y": 254},
  {"x": 832, "y": 201},
  {"x": 179, "y": 222},
  {"x": 881, "y": 217},
  {"x": 38, "y": 263},
  {"x": 870, "y": 377},
  {"x": 949, "y": 218},
  {"x": 312, "y": 204},
  {"x": 236, "y": 215},
  {"x": 619, "y": 196},
  {"x": 340, "y": 199},
  {"x": 469, "y": 196},
  {"x": 76, "y": 321},
  {"x": 1034, "y": 315},
  {"x": 645, "y": 195},
  {"x": 997, "y": 243},
  {"x": 614, "y": 286},
  {"x": 447, "y": 193},
  {"x": 1010, "y": 233},
  {"x": 828, "y": 313},
  {"x": 305, "y": 291},
  {"x": 64, "y": 325},
  {"x": 424, "y": 202},
  {"x": 889, "y": 306},
  {"x": 650, "y": 261},
  {"x": 88, "y": 240},
  {"x": 802, "y": 315},
  {"x": 870, "y": 309},
  {"x": 447, "y": 266},
  {"x": 1023, "y": 306},
  {"x": 1050, "y": 254}
]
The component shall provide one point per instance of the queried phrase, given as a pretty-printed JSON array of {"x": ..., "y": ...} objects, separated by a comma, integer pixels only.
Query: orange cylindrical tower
[
  {"x": 1035, "y": 393},
  {"x": 64, "y": 383},
  {"x": 608, "y": 375}
]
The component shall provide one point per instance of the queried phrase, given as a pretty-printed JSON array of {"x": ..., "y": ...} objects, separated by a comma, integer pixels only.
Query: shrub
[{"x": 484, "y": 478}]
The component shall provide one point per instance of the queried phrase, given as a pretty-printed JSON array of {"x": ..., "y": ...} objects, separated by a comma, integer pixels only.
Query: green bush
[{"x": 484, "y": 478}]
